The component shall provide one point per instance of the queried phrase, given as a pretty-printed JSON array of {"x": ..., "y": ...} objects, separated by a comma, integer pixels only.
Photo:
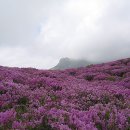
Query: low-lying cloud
[{"x": 38, "y": 33}]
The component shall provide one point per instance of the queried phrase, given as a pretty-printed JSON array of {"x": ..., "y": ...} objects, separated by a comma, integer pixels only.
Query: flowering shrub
[{"x": 90, "y": 98}]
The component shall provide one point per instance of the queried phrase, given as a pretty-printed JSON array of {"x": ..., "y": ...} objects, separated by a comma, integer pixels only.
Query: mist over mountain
[{"x": 66, "y": 63}]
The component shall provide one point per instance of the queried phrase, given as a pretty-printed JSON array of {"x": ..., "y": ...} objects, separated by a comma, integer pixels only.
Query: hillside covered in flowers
[{"x": 96, "y": 97}]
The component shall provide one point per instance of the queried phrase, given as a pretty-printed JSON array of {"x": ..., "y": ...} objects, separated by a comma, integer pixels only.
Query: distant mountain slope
[{"x": 66, "y": 63}]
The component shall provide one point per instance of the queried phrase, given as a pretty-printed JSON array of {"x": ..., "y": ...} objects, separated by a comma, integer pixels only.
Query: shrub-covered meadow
[{"x": 96, "y": 97}]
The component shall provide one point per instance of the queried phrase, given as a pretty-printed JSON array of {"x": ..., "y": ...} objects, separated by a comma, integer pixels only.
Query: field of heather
[{"x": 96, "y": 97}]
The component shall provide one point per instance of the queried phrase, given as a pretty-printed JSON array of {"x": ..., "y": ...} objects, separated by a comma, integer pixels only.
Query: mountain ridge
[{"x": 67, "y": 63}]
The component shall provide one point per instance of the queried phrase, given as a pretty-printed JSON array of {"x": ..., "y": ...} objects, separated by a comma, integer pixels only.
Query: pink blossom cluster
[{"x": 96, "y": 97}]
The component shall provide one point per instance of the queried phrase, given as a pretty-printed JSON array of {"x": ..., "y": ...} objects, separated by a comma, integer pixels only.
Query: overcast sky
[{"x": 37, "y": 33}]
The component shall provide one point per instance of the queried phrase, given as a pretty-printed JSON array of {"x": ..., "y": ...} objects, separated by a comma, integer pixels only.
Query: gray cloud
[{"x": 38, "y": 33}]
